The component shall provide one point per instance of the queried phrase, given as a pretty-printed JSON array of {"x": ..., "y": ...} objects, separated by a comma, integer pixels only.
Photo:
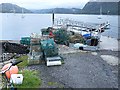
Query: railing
[{"x": 74, "y": 23}]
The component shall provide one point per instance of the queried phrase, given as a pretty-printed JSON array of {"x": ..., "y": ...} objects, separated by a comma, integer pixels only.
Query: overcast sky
[{"x": 41, "y": 4}]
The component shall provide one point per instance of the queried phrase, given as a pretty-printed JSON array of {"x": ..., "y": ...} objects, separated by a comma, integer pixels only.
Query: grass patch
[
  {"x": 62, "y": 60},
  {"x": 30, "y": 79},
  {"x": 55, "y": 84},
  {"x": 52, "y": 83},
  {"x": 24, "y": 63}
]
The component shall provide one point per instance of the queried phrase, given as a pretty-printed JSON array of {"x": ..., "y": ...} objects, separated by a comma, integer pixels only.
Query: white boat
[
  {"x": 105, "y": 25},
  {"x": 100, "y": 16},
  {"x": 13, "y": 10},
  {"x": 22, "y": 14}
]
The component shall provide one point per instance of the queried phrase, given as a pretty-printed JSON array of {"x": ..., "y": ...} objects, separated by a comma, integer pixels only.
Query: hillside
[
  {"x": 107, "y": 8},
  {"x": 59, "y": 10},
  {"x": 10, "y": 8},
  {"x": 110, "y": 8}
]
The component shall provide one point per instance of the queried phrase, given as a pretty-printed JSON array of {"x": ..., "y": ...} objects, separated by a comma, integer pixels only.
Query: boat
[
  {"x": 13, "y": 10},
  {"x": 22, "y": 14},
  {"x": 105, "y": 25},
  {"x": 100, "y": 16}
]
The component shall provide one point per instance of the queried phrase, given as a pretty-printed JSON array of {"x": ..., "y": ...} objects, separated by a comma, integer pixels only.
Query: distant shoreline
[{"x": 64, "y": 13}]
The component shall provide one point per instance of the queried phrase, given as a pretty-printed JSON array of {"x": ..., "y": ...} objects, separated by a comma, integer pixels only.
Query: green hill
[
  {"x": 59, "y": 10},
  {"x": 12, "y": 8},
  {"x": 111, "y": 8},
  {"x": 108, "y": 8}
]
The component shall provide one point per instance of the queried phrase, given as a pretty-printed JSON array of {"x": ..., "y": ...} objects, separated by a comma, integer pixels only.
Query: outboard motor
[{"x": 92, "y": 42}]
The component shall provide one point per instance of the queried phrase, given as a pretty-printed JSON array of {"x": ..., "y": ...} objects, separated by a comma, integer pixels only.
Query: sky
[{"x": 44, "y": 4}]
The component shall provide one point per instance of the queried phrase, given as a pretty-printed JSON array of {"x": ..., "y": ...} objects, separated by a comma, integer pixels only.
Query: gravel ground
[{"x": 81, "y": 70}]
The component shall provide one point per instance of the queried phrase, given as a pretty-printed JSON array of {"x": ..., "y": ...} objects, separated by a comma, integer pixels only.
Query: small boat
[
  {"x": 105, "y": 25},
  {"x": 100, "y": 16},
  {"x": 22, "y": 14}
]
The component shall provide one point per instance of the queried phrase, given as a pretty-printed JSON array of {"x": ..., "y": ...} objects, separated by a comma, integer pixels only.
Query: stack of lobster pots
[{"x": 35, "y": 55}]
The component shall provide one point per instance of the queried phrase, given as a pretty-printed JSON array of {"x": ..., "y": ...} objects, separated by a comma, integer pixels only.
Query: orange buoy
[{"x": 13, "y": 70}]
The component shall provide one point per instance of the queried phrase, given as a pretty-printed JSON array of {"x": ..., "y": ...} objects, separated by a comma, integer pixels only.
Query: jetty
[{"x": 67, "y": 22}]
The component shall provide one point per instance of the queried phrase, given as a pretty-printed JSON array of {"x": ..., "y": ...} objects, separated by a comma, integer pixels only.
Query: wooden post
[{"x": 53, "y": 19}]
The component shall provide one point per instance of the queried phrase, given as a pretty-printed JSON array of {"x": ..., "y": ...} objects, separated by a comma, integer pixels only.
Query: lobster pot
[
  {"x": 35, "y": 58},
  {"x": 50, "y": 52},
  {"x": 35, "y": 48},
  {"x": 35, "y": 41},
  {"x": 49, "y": 48},
  {"x": 77, "y": 38},
  {"x": 25, "y": 40},
  {"x": 61, "y": 36}
]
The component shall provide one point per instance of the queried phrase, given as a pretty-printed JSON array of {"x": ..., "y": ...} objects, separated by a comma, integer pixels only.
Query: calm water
[{"x": 13, "y": 26}]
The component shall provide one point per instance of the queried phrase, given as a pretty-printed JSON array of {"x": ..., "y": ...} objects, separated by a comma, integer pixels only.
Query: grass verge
[
  {"x": 30, "y": 79},
  {"x": 55, "y": 84},
  {"x": 24, "y": 62}
]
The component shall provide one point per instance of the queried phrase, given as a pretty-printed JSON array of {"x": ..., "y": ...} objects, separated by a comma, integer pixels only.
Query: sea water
[{"x": 14, "y": 26}]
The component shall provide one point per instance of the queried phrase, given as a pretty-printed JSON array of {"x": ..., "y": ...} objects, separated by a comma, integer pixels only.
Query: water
[{"x": 14, "y": 26}]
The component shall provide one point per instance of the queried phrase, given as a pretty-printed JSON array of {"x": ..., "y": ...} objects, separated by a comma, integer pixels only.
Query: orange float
[{"x": 13, "y": 70}]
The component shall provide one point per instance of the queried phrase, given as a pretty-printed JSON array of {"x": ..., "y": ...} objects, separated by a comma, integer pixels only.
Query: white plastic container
[
  {"x": 16, "y": 78},
  {"x": 52, "y": 61}
]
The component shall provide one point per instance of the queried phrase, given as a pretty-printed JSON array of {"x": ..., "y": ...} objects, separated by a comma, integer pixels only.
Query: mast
[
  {"x": 100, "y": 16},
  {"x": 22, "y": 13},
  {"x": 13, "y": 9},
  {"x": 100, "y": 9}
]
